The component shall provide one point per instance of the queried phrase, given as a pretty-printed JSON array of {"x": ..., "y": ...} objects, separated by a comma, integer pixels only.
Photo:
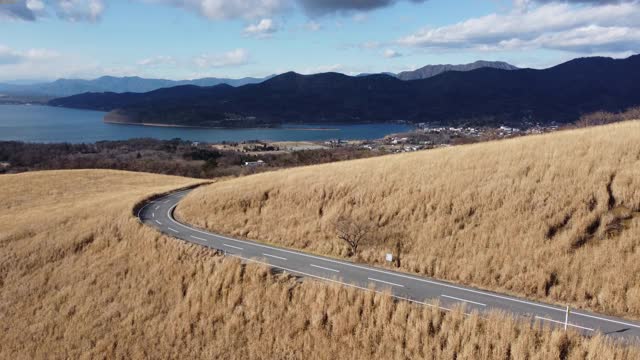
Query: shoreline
[{"x": 218, "y": 128}]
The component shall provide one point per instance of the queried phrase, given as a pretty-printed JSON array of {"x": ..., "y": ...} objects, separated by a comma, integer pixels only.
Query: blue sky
[{"x": 178, "y": 39}]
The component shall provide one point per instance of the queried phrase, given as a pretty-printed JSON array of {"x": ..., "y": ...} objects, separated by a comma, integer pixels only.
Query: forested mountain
[{"x": 483, "y": 96}]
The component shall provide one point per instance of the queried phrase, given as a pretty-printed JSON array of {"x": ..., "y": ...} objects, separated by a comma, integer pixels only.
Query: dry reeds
[
  {"x": 81, "y": 278},
  {"x": 553, "y": 217}
]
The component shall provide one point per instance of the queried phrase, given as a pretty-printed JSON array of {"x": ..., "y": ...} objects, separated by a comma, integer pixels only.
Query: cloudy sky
[{"x": 179, "y": 39}]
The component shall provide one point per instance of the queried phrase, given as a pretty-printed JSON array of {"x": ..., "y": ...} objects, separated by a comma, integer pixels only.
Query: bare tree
[
  {"x": 399, "y": 247},
  {"x": 351, "y": 231}
]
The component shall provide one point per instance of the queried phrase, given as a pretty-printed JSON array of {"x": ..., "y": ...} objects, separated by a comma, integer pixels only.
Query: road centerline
[
  {"x": 385, "y": 282},
  {"x": 463, "y": 300},
  {"x": 275, "y": 257},
  {"x": 324, "y": 268}
]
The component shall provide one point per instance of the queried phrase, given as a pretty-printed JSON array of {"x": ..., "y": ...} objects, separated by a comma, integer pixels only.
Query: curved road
[{"x": 159, "y": 214}]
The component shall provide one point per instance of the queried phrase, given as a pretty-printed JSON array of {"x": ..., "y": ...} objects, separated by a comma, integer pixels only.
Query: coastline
[{"x": 214, "y": 127}]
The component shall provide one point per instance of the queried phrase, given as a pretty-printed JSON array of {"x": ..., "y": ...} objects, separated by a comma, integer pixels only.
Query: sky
[{"x": 187, "y": 39}]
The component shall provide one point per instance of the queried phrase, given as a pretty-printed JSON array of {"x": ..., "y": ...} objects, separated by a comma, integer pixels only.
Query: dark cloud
[{"x": 321, "y": 7}]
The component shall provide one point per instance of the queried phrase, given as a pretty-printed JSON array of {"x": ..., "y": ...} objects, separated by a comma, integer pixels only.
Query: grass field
[
  {"x": 81, "y": 278},
  {"x": 552, "y": 217}
]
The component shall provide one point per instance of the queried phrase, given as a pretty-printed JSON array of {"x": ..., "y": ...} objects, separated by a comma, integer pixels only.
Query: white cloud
[
  {"x": 390, "y": 54},
  {"x": 229, "y": 9},
  {"x": 323, "y": 69},
  {"x": 360, "y": 17},
  {"x": 370, "y": 45},
  {"x": 71, "y": 10},
  {"x": 41, "y": 64},
  {"x": 588, "y": 39},
  {"x": 264, "y": 28},
  {"x": 157, "y": 61},
  {"x": 92, "y": 10},
  {"x": 50, "y": 65},
  {"x": 80, "y": 10},
  {"x": 232, "y": 58},
  {"x": 313, "y": 26},
  {"x": 9, "y": 56},
  {"x": 560, "y": 26},
  {"x": 35, "y": 5}
]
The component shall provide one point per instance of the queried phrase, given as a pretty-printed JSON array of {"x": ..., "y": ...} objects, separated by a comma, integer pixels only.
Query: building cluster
[
  {"x": 502, "y": 131},
  {"x": 254, "y": 164}
]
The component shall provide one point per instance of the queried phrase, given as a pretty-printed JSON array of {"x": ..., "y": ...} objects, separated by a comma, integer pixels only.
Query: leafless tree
[
  {"x": 351, "y": 232},
  {"x": 399, "y": 247}
]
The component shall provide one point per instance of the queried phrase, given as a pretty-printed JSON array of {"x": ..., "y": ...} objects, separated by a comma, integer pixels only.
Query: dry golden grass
[
  {"x": 552, "y": 217},
  {"x": 83, "y": 281}
]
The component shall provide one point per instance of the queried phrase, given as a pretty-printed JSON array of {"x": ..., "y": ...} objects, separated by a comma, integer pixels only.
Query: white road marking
[
  {"x": 479, "y": 292},
  {"x": 464, "y": 300},
  {"x": 140, "y": 211},
  {"x": 275, "y": 257},
  {"x": 153, "y": 214},
  {"x": 233, "y": 247},
  {"x": 175, "y": 231},
  {"x": 198, "y": 238},
  {"x": 562, "y": 323},
  {"x": 345, "y": 284},
  {"x": 157, "y": 207},
  {"x": 159, "y": 223},
  {"x": 324, "y": 268},
  {"x": 385, "y": 282},
  {"x": 604, "y": 319}
]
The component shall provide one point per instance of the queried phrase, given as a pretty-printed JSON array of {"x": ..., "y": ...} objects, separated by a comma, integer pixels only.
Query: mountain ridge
[
  {"x": 428, "y": 71},
  {"x": 483, "y": 96},
  {"x": 69, "y": 87}
]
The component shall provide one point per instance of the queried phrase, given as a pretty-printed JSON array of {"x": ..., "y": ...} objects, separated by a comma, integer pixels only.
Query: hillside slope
[
  {"x": 81, "y": 278},
  {"x": 554, "y": 217}
]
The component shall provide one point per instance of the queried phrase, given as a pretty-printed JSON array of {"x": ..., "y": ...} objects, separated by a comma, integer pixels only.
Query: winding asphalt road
[{"x": 159, "y": 214}]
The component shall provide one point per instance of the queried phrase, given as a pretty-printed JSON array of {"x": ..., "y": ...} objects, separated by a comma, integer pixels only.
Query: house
[{"x": 258, "y": 163}]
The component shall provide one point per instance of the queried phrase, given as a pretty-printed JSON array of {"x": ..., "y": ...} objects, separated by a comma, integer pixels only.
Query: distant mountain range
[
  {"x": 433, "y": 70},
  {"x": 483, "y": 96},
  {"x": 67, "y": 87}
]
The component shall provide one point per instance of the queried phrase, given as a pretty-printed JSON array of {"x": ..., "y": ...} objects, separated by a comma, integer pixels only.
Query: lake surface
[{"x": 53, "y": 124}]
